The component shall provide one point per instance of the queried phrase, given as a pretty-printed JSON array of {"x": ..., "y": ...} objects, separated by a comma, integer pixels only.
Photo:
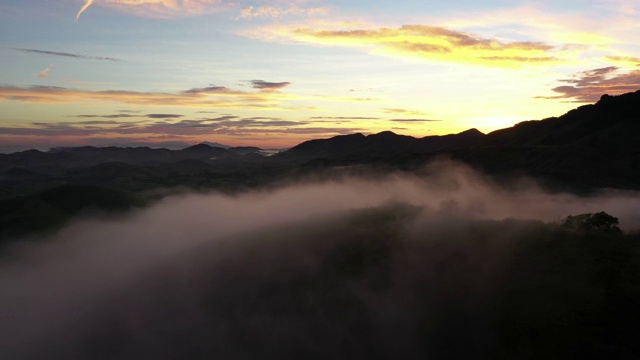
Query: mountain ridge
[{"x": 592, "y": 146}]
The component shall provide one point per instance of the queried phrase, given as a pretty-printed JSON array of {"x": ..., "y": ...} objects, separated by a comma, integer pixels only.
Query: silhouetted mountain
[
  {"x": 246, "y": 150},
  {"x": 464, "y": 139},
  {"x": 205, "y": 151},
  {"x": 384, "y": 144},
  {"x": 592, "y": 146},
  {"x": 215, "y": 144},
  {"x": 70, "y": 157}
]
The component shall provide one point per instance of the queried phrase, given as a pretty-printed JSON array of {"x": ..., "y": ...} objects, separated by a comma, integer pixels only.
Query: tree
[{"x": 592, "y": 222}]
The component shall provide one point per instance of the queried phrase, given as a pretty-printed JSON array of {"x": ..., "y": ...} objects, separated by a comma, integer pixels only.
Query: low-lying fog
[{"x": 378, "y": 268}]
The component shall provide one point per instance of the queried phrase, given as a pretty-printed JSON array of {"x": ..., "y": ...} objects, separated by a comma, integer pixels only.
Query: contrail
[{"x": 85, "y": 7}]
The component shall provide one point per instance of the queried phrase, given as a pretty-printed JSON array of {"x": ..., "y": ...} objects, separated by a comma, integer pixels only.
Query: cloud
[
  {"x": 83, "y": 9},
  {"x": 163, "y": 116},
  {"x": 111, "y": 116},
  {"x": 413, "y": 120},
  {"x": 66, "y": 54},
  {"x": 344, "y": 118},
  {"x": 162, "y": 9},
  {"x": 261, "y": 84},
  {"x": 220, "y": 125},
  {"x": 269, "y": 11},
  {"x": 169, "y": 9},
  {"x": 624, "y": 60},
  {"x": 128, "y": 115},
  {"x": 430, "y": 43},
  {"x": 218, "y": 97},
  {"x": 588, "y": 86},
  {"x": 403, "y": 111},
  {"x": 43, "y": 74},
  {"x": 348, "y": 98},
  {"x": 208, "y": 90}
]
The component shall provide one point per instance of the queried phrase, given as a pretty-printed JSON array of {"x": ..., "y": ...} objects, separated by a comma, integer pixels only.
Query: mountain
[
  {"x": 71, "y": 157},
  {"x": 205, "y": 151},
  {"x": 215, "y": 144},
  {"x": 384, "y": 144},
  {"x": 592, "y": 146}
]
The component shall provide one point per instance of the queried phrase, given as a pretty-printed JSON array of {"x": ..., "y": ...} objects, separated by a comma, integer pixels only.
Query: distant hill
[
  {"x": 384, "y": 144},
  {"x": 590, "y": 147},
  {"x": 68, "y": 157},
  {"x": 215, "y": 144}
]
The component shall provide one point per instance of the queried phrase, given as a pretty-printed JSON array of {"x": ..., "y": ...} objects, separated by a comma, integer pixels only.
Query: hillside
[{"x": 593, "y": 146}]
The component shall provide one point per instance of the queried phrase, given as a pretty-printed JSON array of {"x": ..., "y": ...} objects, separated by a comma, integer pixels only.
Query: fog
[{"x": 202, "y": 275}]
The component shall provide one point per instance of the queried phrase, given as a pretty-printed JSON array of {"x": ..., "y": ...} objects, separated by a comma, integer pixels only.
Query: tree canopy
[{"x": 589, "y": 222}]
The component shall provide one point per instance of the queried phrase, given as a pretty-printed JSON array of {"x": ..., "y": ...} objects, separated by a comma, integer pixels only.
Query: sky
[{"x": 274, "y": 73}]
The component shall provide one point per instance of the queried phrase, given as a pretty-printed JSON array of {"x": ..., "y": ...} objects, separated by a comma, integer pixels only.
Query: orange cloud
[{"x": 433, "y": 43}]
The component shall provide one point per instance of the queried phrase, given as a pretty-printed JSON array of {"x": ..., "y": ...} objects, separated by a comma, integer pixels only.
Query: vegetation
[
  {"x": 390, "y": 282},
  {"x": 598, "y": 222}
]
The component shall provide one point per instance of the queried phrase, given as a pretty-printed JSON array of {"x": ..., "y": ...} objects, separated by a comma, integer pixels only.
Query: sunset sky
[{"x": 272, "y": 73}]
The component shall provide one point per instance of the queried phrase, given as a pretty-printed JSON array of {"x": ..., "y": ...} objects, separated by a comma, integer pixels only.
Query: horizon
[
  {"x": 180, "y": 146},
  {"x": 273, "y": 74}
]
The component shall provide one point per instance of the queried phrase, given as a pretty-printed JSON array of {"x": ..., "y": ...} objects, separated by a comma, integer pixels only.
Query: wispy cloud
[
  {"x": 261, "y": 84},
  {"x": 128, "y": 115},
  {"x": 404, "y": 111},
  {"x": 208, "y": 90},
  {"x": 163, "y": 116},
  {"x": 624, "y": 60},
  {"x": 83, "y": 9},
  {"x": 163, "y": 9},
  {"x": 168, "y": 9},
  {"x": 270, "y": 11},
  {"x": 221, "y": 98},
  {"x": 431, "y": 43},
  {"x": 225, "y": 125},
  {"x": 588, "y": 86},
  {"x": 413, "y": 120},
  {"x": 44, "y": 72},
  {"x": 66, "y": 54},
  {"x": 344, "y": 118}
]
